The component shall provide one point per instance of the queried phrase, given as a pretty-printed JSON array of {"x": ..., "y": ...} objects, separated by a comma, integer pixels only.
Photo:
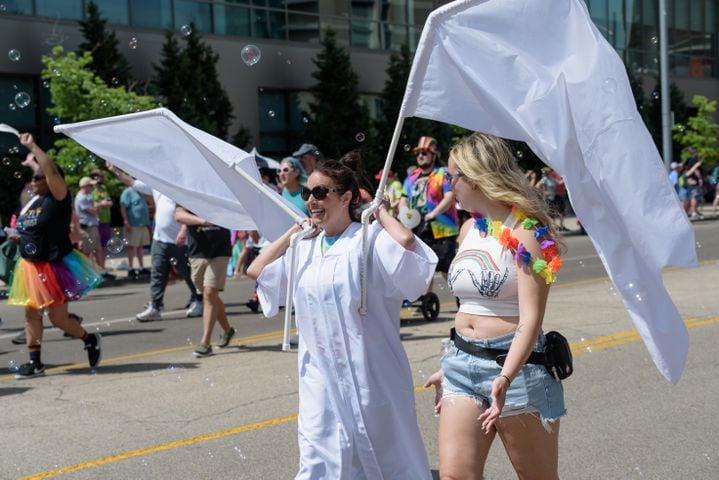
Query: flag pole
[
  {"x": 379, "y": 196},
  {"x": 292, "y": 259}
]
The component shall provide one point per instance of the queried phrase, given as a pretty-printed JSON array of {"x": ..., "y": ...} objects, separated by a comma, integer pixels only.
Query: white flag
[
  {"x": 540, "y": 72},
  {"x": 190, "y": 166}
]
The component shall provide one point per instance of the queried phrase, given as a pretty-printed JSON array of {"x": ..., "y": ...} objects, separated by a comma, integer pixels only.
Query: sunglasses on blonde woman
[{"x": 320, "y": 192}]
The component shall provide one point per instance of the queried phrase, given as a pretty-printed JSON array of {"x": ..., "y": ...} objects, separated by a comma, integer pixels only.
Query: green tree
[
  {"x": 107, "y": 61},
  {"x": 337, "y": 114},
  {"x": 188, "y": 84},
  {"x": 653, "y": 117},
  {"x": 700, "y": 132},
  {"x": 397, "y": 71},
  {"x": 77, "y": 95}
]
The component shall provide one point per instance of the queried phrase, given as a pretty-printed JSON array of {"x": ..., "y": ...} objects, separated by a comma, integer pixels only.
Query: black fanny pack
[{"x": 556, "y": 356}]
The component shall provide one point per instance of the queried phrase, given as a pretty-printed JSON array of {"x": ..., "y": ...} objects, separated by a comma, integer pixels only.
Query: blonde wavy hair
[{"x": 487, "y": 162}]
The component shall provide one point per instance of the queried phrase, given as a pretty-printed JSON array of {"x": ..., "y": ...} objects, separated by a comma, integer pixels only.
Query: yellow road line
[
  {"x": 577, "y": 349},
  {"x": 159, "y": 448}
]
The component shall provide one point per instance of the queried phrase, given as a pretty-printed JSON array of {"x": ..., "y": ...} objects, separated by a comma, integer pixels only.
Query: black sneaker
[
  {"x": 94, "y": 352},
  {"x": 29, "y": 370},
  {"x": 253, "y": 305}
]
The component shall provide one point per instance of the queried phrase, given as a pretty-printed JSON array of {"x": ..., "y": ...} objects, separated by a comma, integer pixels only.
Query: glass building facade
[
  {"x": 278, "y": 115},
  {"x": 376, "y": 24}
]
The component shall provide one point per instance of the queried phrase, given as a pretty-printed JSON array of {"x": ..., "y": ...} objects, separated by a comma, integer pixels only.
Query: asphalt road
[{"x": 152, "y": 410}]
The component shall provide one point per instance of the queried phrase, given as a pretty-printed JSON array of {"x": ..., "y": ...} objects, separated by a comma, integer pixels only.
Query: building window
[
  {"x": 151, "y": 13},
  {"x": 116, "y": 13},
  {"x": 68, "y": 9},
  {"x": 187, "y": 11},
  {"x": 17, "y": 7},
  {"x": 283, "y": 121}
]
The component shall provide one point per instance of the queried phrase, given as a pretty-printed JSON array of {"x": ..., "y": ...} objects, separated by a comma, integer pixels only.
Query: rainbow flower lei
[{"x": 547, "y": 266}]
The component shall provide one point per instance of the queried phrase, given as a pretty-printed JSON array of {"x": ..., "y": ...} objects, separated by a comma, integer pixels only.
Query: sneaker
[
  {"x": 144, "y": 271},
  {"x": 77, "y": 318},
  {"x": 202, "y": 351},
  {"x": 195, "y": 309},
  {"x": 29, "y": 370},
  {"x": 19, "y": 339},
  {"x": 253, "y": 305},
  {"x": 225, "y": 338},
  {"x": 94, "y": 352},
  {"x": 149, "y": 315}
]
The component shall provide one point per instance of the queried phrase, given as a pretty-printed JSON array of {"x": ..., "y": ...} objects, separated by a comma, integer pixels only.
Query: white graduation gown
[{"x": 357, "y": 413}]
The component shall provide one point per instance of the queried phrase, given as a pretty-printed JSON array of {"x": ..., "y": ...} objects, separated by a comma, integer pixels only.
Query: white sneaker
[
  {"x": 195, "y": 309},
  {"x": 149, "y": 315}
]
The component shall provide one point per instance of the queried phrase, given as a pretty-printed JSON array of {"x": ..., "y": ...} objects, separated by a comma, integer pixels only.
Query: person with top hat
[{"x": 427, "y": 190}]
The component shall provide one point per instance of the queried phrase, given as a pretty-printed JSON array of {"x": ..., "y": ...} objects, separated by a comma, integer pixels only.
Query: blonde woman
[{"x": 507, "y": 259}]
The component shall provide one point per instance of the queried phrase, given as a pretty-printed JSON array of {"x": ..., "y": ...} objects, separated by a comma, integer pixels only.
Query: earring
[{"x": 474, "y": 187}]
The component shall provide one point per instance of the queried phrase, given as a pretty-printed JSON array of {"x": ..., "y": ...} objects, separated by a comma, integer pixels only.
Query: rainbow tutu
[{"x": 43, "y": 284}]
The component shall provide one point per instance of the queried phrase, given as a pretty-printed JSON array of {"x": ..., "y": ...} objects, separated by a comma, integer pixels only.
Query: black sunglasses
[
  {"x": 451, "y": 178},
  {"x": 319, "y": 192},
  {"x": 37, "y": 178}
]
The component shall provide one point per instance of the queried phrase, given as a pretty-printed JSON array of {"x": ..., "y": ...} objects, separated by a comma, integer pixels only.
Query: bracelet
[{"x": 509, "y": 382}]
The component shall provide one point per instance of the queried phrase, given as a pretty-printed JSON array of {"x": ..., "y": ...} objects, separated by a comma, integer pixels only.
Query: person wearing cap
[
  {"x": 393, "y": 191},
  {"x": 87, "y": 211},
  {"x": 674, "y": 168},
  {"x": 102, "y": 197},
  {"x": 428, "y": 191},
  {"x": 309, "y": 155}
]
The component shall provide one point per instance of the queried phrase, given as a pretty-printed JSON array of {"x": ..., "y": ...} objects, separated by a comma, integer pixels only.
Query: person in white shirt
[{"x": 167, "y": 250}]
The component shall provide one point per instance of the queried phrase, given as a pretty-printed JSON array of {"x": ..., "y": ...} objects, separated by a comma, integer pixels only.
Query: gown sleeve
[
  {"x": 272, "y": 286},
  {"x": 404, "y": 273}
]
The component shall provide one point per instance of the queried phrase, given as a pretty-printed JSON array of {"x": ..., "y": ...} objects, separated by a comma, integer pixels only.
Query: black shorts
[{"x": 445, "y": 248}]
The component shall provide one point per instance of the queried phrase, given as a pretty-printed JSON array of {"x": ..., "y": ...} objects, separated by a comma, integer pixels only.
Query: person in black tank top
[{"x": 50, "y": 273}]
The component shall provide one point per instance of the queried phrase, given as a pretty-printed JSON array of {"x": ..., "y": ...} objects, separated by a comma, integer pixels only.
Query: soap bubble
[
  {"x": 12, "y": 107},
  {"x": 31, "y": 249},
  {"x": 655, "y": 95},
  {"x": 654, "y": 40},
  {"x": 173, "y": 261},
  {"x": 360, "y": 137},
  {"x": 132, "y": 43},
  {"x": 13, "y": 365},
  {"x": 18, "y": 175},
  {"x": 407, "y": 147},
  {"x": 250, "y": 54},
  {"x": 6, "y": 161},
  {"x": 22, "y": 99},
  {"x": 186, "y": 30},
  {"x": 45, "y": 84},
  {"x": 42, "y": 277},
  {"x": 13, "y": 149},
  {"x": 609, "y": 85},
  {"x": 115, "y": 245},
  {"x": 14, "y": 55},
  {"x": 271, "y": 113}
]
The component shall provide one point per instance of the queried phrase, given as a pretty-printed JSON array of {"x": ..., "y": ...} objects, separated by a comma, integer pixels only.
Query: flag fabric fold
[
  {"x": 190, "y": 166},
  {"x": 541, "y": 72}
]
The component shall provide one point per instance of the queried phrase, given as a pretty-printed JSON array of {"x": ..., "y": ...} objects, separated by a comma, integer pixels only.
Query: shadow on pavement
[
  {"x": 161, "y": 368},
  {"x": 4, "y": 392}
]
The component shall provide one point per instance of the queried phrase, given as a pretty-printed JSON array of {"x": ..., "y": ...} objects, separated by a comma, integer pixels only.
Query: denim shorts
[{"x": 533, "y": 389}]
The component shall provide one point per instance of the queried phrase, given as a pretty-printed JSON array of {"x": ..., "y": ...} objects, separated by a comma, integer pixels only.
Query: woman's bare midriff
[{"x": 481, "y": 326}]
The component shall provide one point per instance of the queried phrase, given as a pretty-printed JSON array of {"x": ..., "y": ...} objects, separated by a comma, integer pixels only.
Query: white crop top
[{"x": 483, "y": 275}]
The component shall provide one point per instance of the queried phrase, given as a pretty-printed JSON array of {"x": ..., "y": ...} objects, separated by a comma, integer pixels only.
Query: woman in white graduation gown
[{"x": 357, "y": 412}]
